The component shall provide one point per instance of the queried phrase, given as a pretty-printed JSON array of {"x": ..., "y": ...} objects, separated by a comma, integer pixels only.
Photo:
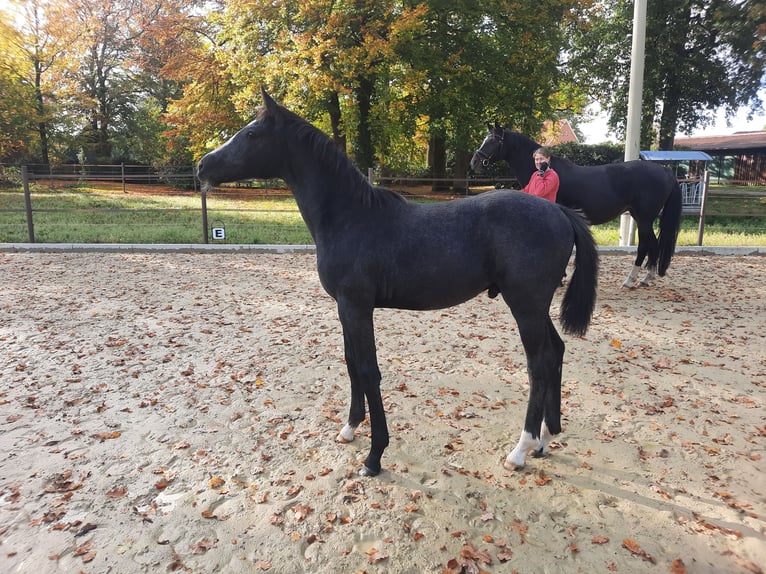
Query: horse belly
[{"x": 430, "y": 284}]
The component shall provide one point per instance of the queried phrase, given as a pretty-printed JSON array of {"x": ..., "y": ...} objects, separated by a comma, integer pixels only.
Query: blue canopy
[{"x": 680, "y": 155}]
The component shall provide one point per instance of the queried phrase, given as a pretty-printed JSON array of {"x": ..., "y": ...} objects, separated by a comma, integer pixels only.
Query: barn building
[{"x": 738, "y": 159}]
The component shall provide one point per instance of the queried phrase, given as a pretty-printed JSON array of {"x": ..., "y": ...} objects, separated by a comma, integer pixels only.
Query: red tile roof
[
  {"x": 557, "y": 132},
  {"x": 738, "y": 140}
]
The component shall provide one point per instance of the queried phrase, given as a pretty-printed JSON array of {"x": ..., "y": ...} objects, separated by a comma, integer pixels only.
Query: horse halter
[{"x": 487, "y": 159}]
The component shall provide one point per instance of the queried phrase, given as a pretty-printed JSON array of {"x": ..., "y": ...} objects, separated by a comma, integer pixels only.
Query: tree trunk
[
  {"x": 437, "y": 161},
  {"x": 462, "y": 161},
  {"x": 42, "y": 127},
  {"x": 364, "y": 152},
  {"x": 674, "y": 82},
  {"x": 333, "y": 108}
]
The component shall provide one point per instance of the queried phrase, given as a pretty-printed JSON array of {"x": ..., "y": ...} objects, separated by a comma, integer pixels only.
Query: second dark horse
[{"x": 642, "y": 188}]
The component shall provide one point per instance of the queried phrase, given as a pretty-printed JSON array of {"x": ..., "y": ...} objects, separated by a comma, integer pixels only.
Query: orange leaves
[
  {"x": 85, "y": 551},
  {"x": 117, "y": 492},
  {"x": 471, "y": 559},
  {"x": 203, "y": 545},
  {"x": 301, "y": 511},
  {"x": 109, "y": 435},
  {"x": 63, "y": 483},
  {"x": 216, "y": 482},
  {"x": 631, "y": 545},
  {"x": 374, "y": 556},
  {"x": 599, "y": 540}
]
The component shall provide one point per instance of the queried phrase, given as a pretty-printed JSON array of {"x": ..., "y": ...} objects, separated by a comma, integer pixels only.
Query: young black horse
[
  {"x": 375, "y": 249},
  {"x": 602, "y": 193}
]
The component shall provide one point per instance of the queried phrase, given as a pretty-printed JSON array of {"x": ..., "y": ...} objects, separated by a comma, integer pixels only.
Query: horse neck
[
  {"x": 325, "y": 188},
  {"x": 518, "y": 154}
]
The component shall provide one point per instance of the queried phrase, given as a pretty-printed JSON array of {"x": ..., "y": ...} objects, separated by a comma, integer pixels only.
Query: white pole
[{"x": 633, "y": 127}]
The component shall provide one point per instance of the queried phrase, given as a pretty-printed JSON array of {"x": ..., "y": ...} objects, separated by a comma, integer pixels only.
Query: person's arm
[{"x": 550, "y": 185}]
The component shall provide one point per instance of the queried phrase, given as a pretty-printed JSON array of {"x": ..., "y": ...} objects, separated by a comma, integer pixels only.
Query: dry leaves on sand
[{"x": 636, "y": 550}]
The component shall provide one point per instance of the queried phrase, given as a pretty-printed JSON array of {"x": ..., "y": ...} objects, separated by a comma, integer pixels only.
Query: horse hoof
[
  {"x": 539, "y": 453},
  {"x": 367, "y": 471},
  {"x": 508, "y": 465},
  {"x": 514, "y": 461},
  {"x": 346, "y": 435}
]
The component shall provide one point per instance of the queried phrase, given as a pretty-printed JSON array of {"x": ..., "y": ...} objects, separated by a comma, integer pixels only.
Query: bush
[
  {"x": 10, "y": 176},
  {"x": 582, "y": 154}
]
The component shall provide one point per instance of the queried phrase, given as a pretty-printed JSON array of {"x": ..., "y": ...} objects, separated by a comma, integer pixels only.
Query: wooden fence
[{"x": 128, "y": 178}]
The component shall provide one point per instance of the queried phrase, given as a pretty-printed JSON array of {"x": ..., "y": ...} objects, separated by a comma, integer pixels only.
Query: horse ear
[{"x": 268, "y": 101}]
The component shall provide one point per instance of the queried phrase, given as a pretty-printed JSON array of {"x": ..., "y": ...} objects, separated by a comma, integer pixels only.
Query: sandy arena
[{"x": 177, "y": 412}]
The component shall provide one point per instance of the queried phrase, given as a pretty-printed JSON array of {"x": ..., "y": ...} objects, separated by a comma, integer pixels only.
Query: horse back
[{"x": 604, "y": 192}]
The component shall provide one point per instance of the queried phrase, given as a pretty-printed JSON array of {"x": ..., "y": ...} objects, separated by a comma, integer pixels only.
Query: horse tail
[
  {"x": 670, "y": 223},
  {"x": 580, "y": 297}
]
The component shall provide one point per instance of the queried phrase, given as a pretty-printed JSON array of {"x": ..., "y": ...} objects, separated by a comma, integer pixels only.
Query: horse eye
[{"x": 250, "y": 134}]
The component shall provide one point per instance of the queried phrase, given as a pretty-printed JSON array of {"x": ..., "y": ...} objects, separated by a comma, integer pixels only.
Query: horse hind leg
[
  {"x": 544, "y": 358},
  {"x": 551, "y": 424},
  {"x": 648, "y": 279},
  {"x": 647, "y": 238}
]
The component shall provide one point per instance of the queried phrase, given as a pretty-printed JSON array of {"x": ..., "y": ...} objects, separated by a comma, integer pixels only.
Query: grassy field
[{"x": 97, "y": 214}]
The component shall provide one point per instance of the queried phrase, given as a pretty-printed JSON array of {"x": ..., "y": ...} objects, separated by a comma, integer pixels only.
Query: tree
[
  {"x": 474, "y": 61},
  {"x": 34, "y": 44},
  {"x": 326, "y": 57},
  {"x": 701, "y": 55}
]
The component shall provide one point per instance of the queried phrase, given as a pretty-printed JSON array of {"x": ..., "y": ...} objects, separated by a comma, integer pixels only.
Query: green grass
[{"x": 89, "y": 214}]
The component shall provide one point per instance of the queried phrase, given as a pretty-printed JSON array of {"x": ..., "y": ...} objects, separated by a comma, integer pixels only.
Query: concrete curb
[{"x": 286, "y": 249}]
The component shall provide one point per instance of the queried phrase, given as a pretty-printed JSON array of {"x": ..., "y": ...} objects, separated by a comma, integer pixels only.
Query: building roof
[
  {"x": 736, "y": 141},
  {"x": 676, "y": 155},
  {"x": 557, "y": 132}
]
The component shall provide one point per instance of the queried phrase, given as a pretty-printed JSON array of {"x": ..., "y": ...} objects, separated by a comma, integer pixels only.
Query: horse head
[
  {"x": 255, "y": 151},
  {"x": 491, "y": 148}
]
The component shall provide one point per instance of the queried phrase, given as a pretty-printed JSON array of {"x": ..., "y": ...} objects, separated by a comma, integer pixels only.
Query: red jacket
[{"x": 545, "y": 187}]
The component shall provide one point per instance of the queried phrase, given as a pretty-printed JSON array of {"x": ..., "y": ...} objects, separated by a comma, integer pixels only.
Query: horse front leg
[
  {"x": 362, "y": 364},
  {"x": 648, "y": 248},
  {"x": 630, "y": 281},
  {"x": 356, "y": 410}
]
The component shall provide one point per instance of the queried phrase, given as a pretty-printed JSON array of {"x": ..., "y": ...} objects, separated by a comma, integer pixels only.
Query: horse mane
[{"x": 335, "y": 160}]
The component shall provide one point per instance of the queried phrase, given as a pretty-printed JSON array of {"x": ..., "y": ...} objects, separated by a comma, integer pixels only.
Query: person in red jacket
[{"x": 545, "y": 182}]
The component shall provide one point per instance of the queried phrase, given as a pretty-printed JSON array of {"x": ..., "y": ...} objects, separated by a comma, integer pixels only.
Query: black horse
[
  {"x": 601, "y": 193},
  {"x": 375, "y": 249}
]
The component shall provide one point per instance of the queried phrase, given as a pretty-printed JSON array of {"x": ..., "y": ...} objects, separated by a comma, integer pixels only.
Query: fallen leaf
[
  {"x": 216, "y": 482},
  {"x": 117, "y": 492},
  {"x": 202, "y": 546},
  {"x": 635, "y": 549},
  {"x": 599, "y": 540},
  {"x": 106, "y": 435}
]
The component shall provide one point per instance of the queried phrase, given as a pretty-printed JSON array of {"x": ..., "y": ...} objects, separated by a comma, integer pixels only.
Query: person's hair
[{"x": 543, "y": 151}]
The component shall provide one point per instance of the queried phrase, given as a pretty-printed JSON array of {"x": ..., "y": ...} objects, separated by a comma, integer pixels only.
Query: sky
[{"x": 596, "y": 132}]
